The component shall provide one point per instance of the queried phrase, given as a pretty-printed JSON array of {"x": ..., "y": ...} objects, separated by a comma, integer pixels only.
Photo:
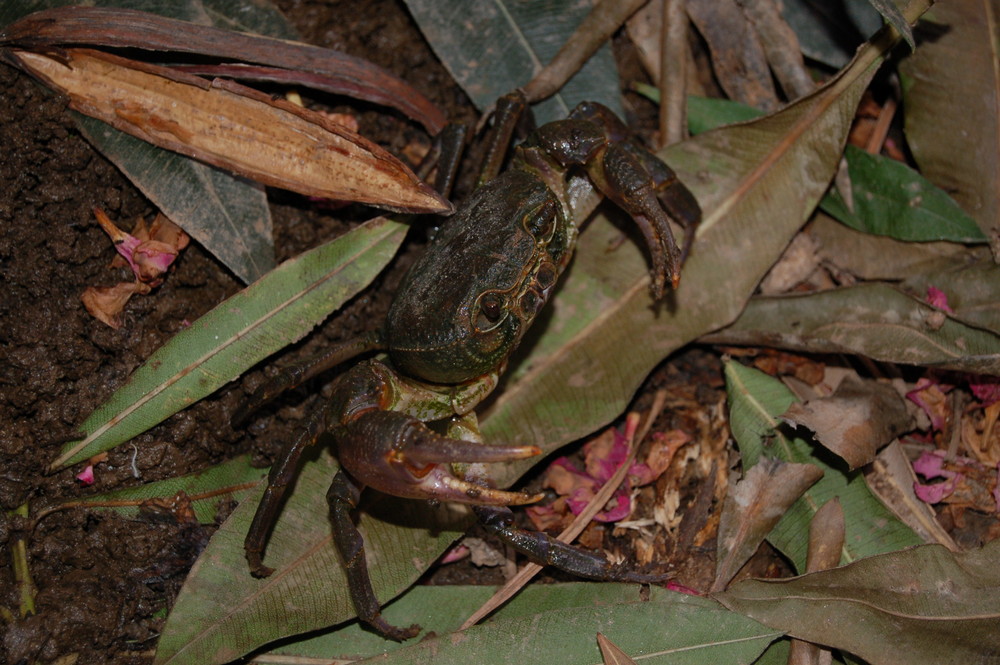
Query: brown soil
[{"x": 104, "y": 582}]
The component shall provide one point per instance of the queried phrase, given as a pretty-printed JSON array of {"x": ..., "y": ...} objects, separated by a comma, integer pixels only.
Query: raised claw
[{"x": 397, "y": 454}]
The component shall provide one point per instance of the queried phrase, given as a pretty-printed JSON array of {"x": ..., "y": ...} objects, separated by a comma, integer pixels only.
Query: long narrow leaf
[
  {"x": 875, "y": 320},
  {"x": 231, "y": 480},
  {"x": 275, "y": 311},
  {"x": 921, "y": 606}
]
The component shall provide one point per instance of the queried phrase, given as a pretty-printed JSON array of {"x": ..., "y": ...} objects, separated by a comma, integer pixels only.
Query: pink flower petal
[
  {"x": 930, "y": 396},
  {"x": 938, "y": 491},
  {"x": 986, "y": 389},
  {"x": 930, "y": 465},
  {"x": 621, "y": 507},
  {"x": 86, "y": 477},
  {"x": 938, "y": 298}
]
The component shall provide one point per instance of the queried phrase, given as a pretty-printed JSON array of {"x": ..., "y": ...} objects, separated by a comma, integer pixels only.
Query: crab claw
[{"x": 399, "y": 455}]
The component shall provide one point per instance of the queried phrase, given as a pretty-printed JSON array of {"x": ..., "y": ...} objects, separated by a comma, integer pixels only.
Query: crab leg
[
  {"x": 282, "y": 474},
  {"x": 547, "y": 550},
  {"x": 343, "y": 498}
]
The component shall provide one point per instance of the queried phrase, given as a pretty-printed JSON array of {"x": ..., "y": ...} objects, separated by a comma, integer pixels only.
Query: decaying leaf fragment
[
  {"x": 233, "y": 127},
  {"x": 753, "y": 507},
  {"x": 854, "y": 422}
]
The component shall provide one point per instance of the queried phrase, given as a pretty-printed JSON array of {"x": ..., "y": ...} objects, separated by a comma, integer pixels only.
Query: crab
[{"x": 459, "y": 314}]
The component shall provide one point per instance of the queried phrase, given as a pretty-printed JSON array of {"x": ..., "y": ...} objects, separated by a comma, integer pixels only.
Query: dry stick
[
  {"x": 781, "y": 47},
  {"x": 602, "y": 22},
  {"x": 603, "y": 495},
  {"x": 881, "y": 130},
  {"x": 673, "y": 73}
]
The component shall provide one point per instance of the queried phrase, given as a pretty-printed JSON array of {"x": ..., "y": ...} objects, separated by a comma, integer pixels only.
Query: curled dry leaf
[
  {"x": 233, "y": 127},
  {"x": 753, "y": 507},
  {"x": 105, "y": 303},
  {"x": 858, "y": 419}
]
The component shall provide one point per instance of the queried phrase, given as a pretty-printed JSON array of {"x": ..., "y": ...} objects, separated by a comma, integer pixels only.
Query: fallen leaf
[
  {"x": 753, "y": 507},
  {"x": 858, "y": 419},
  {"x": 224, "y": 124},
  {"x": 919, "y": 605}
]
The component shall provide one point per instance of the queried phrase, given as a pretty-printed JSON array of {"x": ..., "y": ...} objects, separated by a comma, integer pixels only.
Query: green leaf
[
  {"x": 705, "y": 113},
  {"x": 669, "y": 629},
  {"x": 222, "y": 612},
  {"x": 231, "y": 480},
  {"x": 442, "y": 609},
  {"x": 491, "y": 48},
  {"x": 954, "y": 74},
  {"x": 226, "y": 214},
  {"x": 891, "y": 199},
  {"x": 874, "y": 320},
  {"x": 924, "y": 605},
  {"x": 756, "y": 401},
  {"x": 757, "y": 183},
  {"x": 273, "y": 312}
]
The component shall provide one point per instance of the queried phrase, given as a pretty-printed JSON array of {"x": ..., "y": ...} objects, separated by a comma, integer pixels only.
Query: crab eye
[
  {"x": 541, "y": 222},
  {"x": 491, "y": 310}
]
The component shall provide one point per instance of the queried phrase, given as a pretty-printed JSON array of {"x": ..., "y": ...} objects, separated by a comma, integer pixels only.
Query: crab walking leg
[
  {"x": 298, "y": 374},
  {"x": 282, "y": 474},
  {"x": 343, "y": 498},
  {"x": 545, "y": 549}
]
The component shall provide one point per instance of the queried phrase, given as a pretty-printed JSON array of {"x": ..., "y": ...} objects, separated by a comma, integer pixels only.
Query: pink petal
[
  {"x": 564, "y": 478},
  {"x": 604, "y": 454},
  {"x": 86, "y": 477},
  {"x": 680, "y": 588},
  {"x": 930, "y": 465},
  {"x": 986, "y": 389},
  {"x": 621, "y": 507},
  {"x": 938, "y": 298},
  {"x": 456, "y": 553},
  {"x": 938, "y": 491},
  {"x": 930, "y": 396}
]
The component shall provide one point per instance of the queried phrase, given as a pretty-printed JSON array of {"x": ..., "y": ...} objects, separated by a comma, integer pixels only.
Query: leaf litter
[{"x": 960, "y": 425}]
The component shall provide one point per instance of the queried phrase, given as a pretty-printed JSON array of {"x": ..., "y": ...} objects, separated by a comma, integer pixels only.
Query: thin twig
[
  {"x": 673, "y": 73},
  {"x": 602, "y": 22},
  {"x": 881, "y": 129},
  {"x": 515, "y": 583}
]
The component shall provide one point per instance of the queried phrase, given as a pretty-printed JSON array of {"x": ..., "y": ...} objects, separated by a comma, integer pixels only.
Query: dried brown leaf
[
  {"x": 753, "y": 507},
  {"x": 610, "y": 652},
  {"x": 854, "y": 422},
  {"x": 235, "y": 128},
  {"x": 300, "y": 64}
]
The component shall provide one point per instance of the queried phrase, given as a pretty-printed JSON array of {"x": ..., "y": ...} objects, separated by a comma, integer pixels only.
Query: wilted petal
[
  {"x": 86, "y": 477},
  {"x": 938, "y": 298},
  {"x": 105, "y": 303}
]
